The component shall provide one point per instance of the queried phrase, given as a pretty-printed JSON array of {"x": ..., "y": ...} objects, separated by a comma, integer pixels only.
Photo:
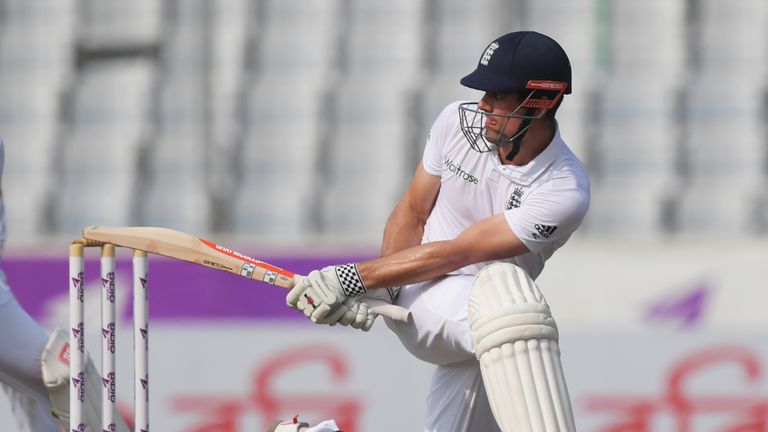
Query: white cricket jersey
[{"x": 543, "y": 201}]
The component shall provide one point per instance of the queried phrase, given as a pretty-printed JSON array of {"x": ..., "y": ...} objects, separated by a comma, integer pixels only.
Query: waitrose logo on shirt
[{"x": 456, "y": 170}]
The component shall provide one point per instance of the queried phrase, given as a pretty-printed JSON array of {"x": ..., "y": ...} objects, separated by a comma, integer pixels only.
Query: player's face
[{"x": 499, "y": 106}]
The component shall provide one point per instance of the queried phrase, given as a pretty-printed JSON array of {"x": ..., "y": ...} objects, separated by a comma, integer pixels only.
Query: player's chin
[{"x": 492, "y": 136}]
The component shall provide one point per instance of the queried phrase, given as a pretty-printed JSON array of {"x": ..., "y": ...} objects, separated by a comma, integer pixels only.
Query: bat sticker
[
  {"x": 246, "y": 258},
  {"x": 216, "y": 265},
  {"x": 270, "y": 277},
  {"x": 247, "y": 270}
]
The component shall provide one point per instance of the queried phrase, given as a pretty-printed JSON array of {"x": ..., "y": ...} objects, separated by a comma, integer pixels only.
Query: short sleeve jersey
[{"x": 543, "y": 201}]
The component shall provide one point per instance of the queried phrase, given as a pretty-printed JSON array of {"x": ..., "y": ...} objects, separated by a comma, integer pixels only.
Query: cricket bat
[{"x": 186, "y": 247}]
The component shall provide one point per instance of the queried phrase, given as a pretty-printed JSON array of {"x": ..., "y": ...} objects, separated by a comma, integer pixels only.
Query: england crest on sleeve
[{"x": 515, "y": 198}]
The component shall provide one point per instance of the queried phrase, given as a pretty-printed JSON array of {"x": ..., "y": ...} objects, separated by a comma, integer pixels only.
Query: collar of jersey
[{"x": 526, "y": 174}]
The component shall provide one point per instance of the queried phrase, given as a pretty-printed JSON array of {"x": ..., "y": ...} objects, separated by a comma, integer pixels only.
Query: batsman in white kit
[{"x": 496, "y": 194}]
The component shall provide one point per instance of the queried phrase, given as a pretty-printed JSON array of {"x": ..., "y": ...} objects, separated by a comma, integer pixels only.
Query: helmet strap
[{"x": 520, "y": 134}]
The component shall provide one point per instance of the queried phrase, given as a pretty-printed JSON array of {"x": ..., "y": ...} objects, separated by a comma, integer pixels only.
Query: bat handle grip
[{"x": 397, "y": 313}]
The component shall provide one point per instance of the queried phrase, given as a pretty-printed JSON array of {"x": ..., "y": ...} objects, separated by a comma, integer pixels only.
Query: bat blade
[
  {"x": 183, "y": 246},
  {"x": 176, "y": 244}
]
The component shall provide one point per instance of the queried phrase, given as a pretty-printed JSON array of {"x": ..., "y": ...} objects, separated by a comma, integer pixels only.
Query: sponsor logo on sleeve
[{"x": 543, "y": 231}]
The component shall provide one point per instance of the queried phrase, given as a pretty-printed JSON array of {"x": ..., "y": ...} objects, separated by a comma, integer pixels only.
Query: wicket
[{"x": 108, "y": 314}]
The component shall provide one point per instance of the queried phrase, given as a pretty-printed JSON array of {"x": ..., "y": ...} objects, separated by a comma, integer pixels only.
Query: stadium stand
[
  {"x": 102, "y": 145},
  {"x": 367, "y": 159},
  {"x": 36, "y": 65},
  {"x": 278, "y": 163},
  {"x": 273, "y": 117}
]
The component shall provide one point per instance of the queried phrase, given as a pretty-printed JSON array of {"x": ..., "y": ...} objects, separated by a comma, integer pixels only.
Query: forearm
[
  {"x": 412, "y": 265},
  {"x": 487, "y": 240}
]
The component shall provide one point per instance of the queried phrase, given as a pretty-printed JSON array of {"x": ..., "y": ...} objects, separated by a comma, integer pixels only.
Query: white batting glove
[
  {"x": 322, "y": 292},
  {"x": 388, "y": 294},
  {"x": 353, "y": 312},
  {"x": 359, "y": 314}
]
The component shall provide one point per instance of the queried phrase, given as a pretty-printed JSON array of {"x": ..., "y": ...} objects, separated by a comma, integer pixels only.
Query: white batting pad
[{"x": 515, "y": 341}]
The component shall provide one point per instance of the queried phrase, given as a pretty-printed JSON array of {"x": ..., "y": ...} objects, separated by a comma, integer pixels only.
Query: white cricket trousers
[
  {"x": 21, "y": 344},
  {"x": 439, "y": 333}
]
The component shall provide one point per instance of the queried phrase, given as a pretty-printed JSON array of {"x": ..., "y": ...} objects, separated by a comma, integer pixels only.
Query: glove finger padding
[
  {"x": 353, "y": 306},
  {"x": 320, "y": 297},
  {"x": 296, "y": 292},
  {"x": 361, "y": 317},
  {"x": 364, "y": 318},
  {"x": 369, "y": 321},
  {"x": 305, "y": 301},
  {"x": 338, "y": 315},
  {"x": 309, "y": 298}
]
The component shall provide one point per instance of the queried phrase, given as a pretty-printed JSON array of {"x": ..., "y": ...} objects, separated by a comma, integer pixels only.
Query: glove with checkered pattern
[{"x": 322, "y": 293}]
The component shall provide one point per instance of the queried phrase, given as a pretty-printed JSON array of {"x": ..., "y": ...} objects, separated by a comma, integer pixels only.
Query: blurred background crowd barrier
[
  {"x": 306, "y": 118},
  {"x": 289, "y": 128}
]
